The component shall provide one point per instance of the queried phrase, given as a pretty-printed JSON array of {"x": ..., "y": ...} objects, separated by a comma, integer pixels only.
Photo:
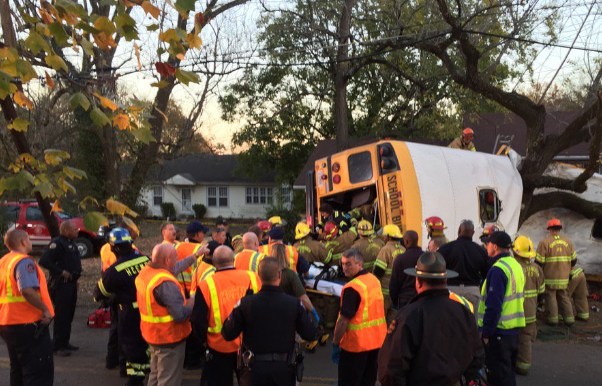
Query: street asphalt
[{"x": 554, "y": 364}]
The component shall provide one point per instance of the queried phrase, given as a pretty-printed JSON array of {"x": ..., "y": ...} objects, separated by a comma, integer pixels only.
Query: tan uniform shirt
[
  {"x": 458, "y": 144},
  {"x": 555, "y": 254},
  {"x": 369, "y": 246},
  {"x": 312, "y": 250},
  {"x": 534, "y": 285},
  {"x": 386, "y": 258},
  {"x": 340, "y": 244}
]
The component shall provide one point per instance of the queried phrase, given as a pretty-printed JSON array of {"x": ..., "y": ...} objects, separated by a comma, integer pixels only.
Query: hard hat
[
  {"x": 487, "y": 231},
  {"x": 275, "y": 220},
  {"x": 554, "y": 223},
  {"x": 435, "y": 223},
  {"x": 119, "y": 236},
  {"x": 364, "y": 228},
  {"x": 301, "y": 230},
  {"x": 467, "y": 132},
  {"x": 392, "y": 230},
  {"x": 523, "y": 247},
  {"x": 265, "y": 225},
  {"x": 330, "y": 230}
]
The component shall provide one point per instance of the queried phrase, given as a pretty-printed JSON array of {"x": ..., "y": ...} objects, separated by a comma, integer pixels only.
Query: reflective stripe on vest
[
  {"x": 365, "y": 323},
  {"x": 150, "y": 318},
  {"x": 217, "y": 317},
  {"x": 513, "y": 312}
]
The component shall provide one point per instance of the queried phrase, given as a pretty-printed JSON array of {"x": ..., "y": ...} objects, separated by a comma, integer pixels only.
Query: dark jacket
[
  {"x": 468, "y": 259},
  {"x": 403, "y": 287},
  {"x": 268, "y": 321},
  {"x": 62, "y": 255},
  {"x": 435, "y": 342}
]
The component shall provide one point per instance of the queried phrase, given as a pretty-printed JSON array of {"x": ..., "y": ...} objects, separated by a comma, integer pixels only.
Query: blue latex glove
[
  {"x": 336, "y": 354},
  {"x": 316, "y": 317}
]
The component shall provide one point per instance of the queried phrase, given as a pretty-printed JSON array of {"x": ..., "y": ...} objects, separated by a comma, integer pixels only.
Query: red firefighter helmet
[
  {"x": 468, "y": 134},
  {"x": 487, "y": 231},
  {"x": 554, "y": 223},
  {"x": 265, "y": 225},
  {"x": 435, "y": 223},
  {"x": 330, "y": 230}
]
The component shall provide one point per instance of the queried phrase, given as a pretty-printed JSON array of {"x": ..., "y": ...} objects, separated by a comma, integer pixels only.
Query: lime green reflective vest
[{"x": 513, "y": 311}]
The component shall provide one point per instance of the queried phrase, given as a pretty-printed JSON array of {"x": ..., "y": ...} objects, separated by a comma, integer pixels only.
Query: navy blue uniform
[
  {"x": 118, "y": 282},
  {"x": 62, "y": 255}
]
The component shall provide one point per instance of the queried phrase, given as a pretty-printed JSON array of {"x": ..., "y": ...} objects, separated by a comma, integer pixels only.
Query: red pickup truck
[{"x": 27, "y": 216}]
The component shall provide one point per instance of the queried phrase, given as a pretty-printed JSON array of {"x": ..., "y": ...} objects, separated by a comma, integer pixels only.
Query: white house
[{"x": 210, "y": 180}]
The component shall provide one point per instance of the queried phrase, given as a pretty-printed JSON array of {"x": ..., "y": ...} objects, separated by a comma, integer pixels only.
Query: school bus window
[
  {"x": 597, "y": 229},
  {"x": 488, "y": 204},
  {"x": 360, "y": 167}
]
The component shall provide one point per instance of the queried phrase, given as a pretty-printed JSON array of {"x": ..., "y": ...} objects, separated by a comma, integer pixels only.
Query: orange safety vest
[
  {"x": 460, "y": 299},
  {"x": 184, "y": 250},
  {"x": 156, "y": 324},
  {"x": 291, "y": 254},
  {"x": 222, "y": 291},
  {"x": 248, "y": 260},
  {"x": 108, "y": 258},
  {"x": 368, "y": 327},
  {"x": 202, "y": 272},
  {"x": 14, "y": 309}
]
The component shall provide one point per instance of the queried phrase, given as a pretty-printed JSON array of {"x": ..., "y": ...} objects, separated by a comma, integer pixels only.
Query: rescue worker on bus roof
[
  {"x": 465, "y": 141},
  {"x": 336, "y": 242},
  {"x": 368, "y": 244},
  {"x": 383, "y": 266},
  {"x": 524, "y": 252},
  {"x": 248, "y": 259},
  {"x": 556, "y": 255},
  {"x": 311, "y": 249},
  {"x": 118, "y": 283}
]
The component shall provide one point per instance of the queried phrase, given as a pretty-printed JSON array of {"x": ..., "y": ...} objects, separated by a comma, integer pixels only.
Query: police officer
[
  {"x": 63, "y": 260},
  {"x": 25, "y": 312},
  {"x": 118, "y": 282},
  {"x": 268, "y": 322}
]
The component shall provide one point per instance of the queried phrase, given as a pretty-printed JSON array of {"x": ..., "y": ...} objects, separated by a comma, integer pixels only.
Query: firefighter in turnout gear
[
  {"x": 118, "y": 283},
  {"x": 465, "y": 141},
  {"x": 556, "y": 255},
  {"x": 524, "y": 252},
  {"x": 435, "y": 229},
  {"x": 312, "y": 250},
  {"x": 579, "y": 293},
  {"x": 336, "y": 243},
  {"x": 368, "y": 244},
  {"x": 383, "y": 266},
  {"x": 340, "y": 219}
]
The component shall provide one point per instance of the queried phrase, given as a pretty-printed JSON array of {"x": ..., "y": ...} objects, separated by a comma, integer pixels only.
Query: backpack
[{"x": 101, "y": 318}]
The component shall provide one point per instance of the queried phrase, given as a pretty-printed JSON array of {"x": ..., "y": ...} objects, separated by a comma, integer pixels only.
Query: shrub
[
  {"x": 200, "y": 211},
  {"x": 168, "y": 210}
]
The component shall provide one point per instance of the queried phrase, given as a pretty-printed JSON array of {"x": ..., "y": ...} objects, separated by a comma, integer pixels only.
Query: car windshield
[{"x": 63, "y": 215}]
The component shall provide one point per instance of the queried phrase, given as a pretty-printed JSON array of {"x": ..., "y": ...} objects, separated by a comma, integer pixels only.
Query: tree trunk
[
  {"x": 341, "y": 78},
  {"x": 10, "y": 113}
]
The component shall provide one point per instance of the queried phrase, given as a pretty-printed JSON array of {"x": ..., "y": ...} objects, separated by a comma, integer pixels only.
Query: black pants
[
  {"x": 64, "y": 299},
  {"x": 278, "y": 373},
  {"x": 194, "y": 351},
  {"x": 500, "y": 359},
  {"x": 133, "y": 345},
  {"x": 115, "y": 355},
  {"x": 219, "y": 370},
  {"x": 31, "y": 361},
  {"x": 358, "y": 369}
]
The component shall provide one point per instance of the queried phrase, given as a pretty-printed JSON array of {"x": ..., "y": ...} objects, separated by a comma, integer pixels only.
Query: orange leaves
[
  {"x": 137, "y": 53},
  {"x": 56, "y": 207},
  {"x": 166, "y": 70},
  {"x": 49, "y": 80},
  {"x": 22, "y": 100},
  {"x": 106, "y": 103},
  {"x": 194, "y": 41},
  {"x": 121, "y": 121},
  {"x": 150, "y": 9},
  {"x": 103, "y": 42}
]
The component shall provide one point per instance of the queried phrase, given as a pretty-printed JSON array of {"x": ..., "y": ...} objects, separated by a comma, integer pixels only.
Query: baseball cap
[
  {"x": 212, "y": 246},
  {"x": 196, "y": 227},
  {"x": 501, "y": 239},
  {"x": 277, "y": 233}
]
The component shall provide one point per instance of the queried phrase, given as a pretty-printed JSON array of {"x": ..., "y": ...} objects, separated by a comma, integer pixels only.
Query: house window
[
  {"x": 286, "y": 193},
  {"x": 157, "y": 195},
  {"x": 259, "y": 195},
  {"x": 186, "y": 200},
  {"x": 489, "y": 205},
  {"x": 217, "y": 196}
]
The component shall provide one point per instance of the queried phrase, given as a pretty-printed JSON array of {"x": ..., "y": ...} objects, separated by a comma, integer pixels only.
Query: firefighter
[
  {"x": 435, "y": 228},
  {"x": 342, "y": 220},
  {"x": 337, "y": 242},
  {"x": 361, "y": 328},
  {"x": 383, "y": 266},
  {"x": 219, "y": 293},
  {"x": 556, "y": 255},
  {"x": 265, "y": 227},
  {"x": 578, "y": 292},
  {"x": 25, "y": 313},
  {"x": 487, "y": 231},
  {"x": 368, "y": 244},
  {"x": 248, "y": 259},
  {"x": 312, "y": 250},
  {"x": 296, "y": 261},
  {"x": 118, "y": 283},
  {"x": 465, "y": 141},
  {"x": 524, "y": 252}
]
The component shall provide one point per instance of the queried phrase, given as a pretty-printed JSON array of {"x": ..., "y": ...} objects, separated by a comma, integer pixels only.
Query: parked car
[{"x": 27, "y": 216}]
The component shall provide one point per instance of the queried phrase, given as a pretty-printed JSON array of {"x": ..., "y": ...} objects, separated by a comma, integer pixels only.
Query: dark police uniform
[
  {"x": 119, "y": 281},
  {"x": 62, "y": 255},
  {"x": 268, "y": 322}
]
